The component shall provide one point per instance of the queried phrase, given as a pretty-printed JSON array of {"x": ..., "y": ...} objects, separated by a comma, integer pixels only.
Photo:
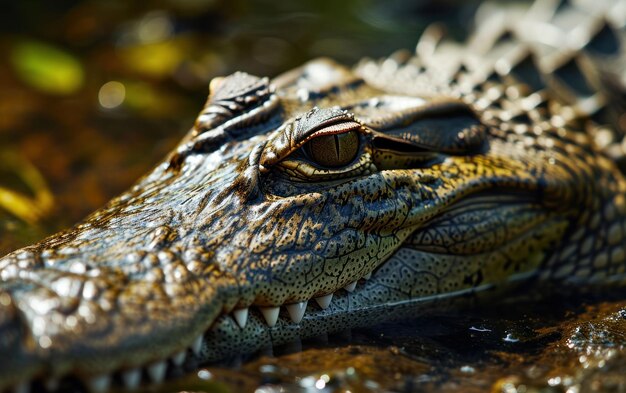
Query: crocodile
[{"x": 331, "y": 197}]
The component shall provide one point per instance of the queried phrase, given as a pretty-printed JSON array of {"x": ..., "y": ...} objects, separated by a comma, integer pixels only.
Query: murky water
[{"x": 93, "y": 93}]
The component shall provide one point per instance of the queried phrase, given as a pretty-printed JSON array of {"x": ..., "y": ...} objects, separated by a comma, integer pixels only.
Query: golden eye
[{"x": 333, "y": 151}]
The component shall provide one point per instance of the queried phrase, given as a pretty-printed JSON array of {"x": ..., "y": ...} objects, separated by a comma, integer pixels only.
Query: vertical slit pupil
[{"x": 337, "y": 147}]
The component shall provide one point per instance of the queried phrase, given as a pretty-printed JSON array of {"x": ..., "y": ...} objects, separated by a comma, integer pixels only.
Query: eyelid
[{"x": 334, "y": 129}]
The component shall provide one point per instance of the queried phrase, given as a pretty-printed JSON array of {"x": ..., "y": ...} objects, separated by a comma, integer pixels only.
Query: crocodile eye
[{"x": 333, "y": 151}]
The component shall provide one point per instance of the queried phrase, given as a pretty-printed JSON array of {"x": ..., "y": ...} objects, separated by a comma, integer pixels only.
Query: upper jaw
[{"x": 176, "y": 296}]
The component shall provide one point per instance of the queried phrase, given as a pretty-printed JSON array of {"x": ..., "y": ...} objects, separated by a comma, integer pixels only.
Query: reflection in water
[{"x": 94, "y": 92}]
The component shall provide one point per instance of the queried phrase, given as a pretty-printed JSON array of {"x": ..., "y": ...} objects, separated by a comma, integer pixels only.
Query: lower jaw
[
  {"x": 348, "y": 310},
  {"x": 226, "y": 339}
]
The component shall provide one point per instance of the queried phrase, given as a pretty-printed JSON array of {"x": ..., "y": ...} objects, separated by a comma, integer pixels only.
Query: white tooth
[
  {"x": 324, "y": 301},
  {"x": 51, "y": 384},
  {"x": 132, "y": 378},
  {"x": 179, "y": 358},
  {"x": 296, "y": 311},
  {"x": 196, "y": 346},
  {"x": 156, "y": 371},
  {"x": 368, "y": 276},
  {"x": 22, "y": 387},
  {"x": 241, "y": 316},
  {"x": 350, "y": 287},
  {"x": 270, "y": 314},
  {"x": 99, "y": 384}
]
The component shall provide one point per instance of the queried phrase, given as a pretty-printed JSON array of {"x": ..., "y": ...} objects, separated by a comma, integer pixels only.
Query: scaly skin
[{"x": 464, "y": 180}]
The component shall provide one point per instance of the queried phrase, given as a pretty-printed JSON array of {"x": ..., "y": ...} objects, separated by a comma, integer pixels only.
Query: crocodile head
[{"x": 319, "y": 182}]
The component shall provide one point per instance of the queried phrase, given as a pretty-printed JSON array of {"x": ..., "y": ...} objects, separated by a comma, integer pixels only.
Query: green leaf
[{"x": 47, "y": 68}]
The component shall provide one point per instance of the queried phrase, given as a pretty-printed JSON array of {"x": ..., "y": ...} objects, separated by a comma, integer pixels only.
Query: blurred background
[{"x": 95, "y": 92}]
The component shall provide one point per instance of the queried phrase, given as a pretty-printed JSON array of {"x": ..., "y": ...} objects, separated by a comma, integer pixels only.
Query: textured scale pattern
[{"x": 480, "y": 166}]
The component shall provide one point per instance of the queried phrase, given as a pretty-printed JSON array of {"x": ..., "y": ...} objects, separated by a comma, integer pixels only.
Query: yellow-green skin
[{"x": 461, "y": 184}]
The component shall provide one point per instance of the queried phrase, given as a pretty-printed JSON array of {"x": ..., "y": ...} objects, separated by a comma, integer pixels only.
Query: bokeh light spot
[{"x": 112, "y": 94}]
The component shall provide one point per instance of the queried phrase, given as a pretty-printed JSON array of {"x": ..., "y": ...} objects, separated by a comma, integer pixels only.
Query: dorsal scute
[{"x": 570, "y": 52}]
